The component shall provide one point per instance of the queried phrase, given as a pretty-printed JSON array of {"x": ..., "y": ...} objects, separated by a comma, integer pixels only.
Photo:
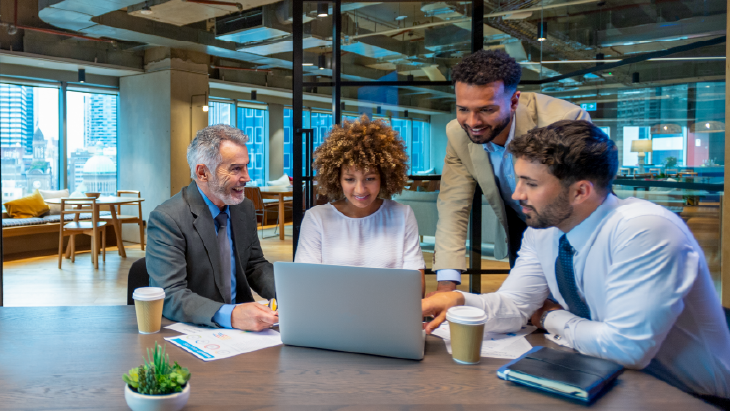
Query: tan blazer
[{"x": 467, "y": 163}]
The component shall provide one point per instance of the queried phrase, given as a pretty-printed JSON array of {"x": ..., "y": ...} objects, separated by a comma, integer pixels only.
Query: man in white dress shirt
[{"x": 630, "y": 281}]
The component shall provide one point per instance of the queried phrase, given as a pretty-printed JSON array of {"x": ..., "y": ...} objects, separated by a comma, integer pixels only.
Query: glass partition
[
  {"x": 29, "y": 131},
  {"x": 92, "y": 142}
]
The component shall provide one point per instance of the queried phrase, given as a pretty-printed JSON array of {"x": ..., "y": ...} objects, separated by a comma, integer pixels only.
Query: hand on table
[
  {"x": 443, "y": 287},
  {"x": 549, "y": 305},
  {"x": 253, "y": 317},
  {"x": 436, "y": 306}
]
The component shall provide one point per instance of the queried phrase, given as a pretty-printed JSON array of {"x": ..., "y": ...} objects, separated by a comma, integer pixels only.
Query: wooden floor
[{"x": 37, "y": 281}]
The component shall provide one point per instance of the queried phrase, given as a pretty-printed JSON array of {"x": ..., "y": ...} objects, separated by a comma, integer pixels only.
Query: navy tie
[
  {"x": 224, "y": 247},
  {"x": 566, "y": 280}
]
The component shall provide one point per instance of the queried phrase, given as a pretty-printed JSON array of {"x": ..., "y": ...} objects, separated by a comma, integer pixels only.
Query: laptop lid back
[{"x": 355, "y": 309}]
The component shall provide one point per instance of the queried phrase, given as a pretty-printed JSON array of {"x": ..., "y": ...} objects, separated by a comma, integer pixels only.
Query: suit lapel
[{"x": 205, "y": 227}]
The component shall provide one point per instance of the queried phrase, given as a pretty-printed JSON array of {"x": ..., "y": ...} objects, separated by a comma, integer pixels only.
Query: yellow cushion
[{"x": 27, "y": 207}]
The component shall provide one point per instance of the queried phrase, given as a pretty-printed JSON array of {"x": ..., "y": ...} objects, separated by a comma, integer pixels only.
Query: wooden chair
[
  {"x": 671, "y": 172},
  {"x": 92, "y": 228},
  {"x": 128, "y": 219},
  {"x": 261, "y": 208},
  {"x": 624, "y": 171},
  {"x": 655, "y": 172}
]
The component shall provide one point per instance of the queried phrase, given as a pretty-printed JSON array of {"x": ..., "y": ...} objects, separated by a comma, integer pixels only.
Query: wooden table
[
  {"x": 278, "y": 192},
  {"x": 110, "y": 202},
  {"x": 54, "y": 358}
]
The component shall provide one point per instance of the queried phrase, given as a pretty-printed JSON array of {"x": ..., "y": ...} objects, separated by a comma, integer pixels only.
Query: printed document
[{"x": 210, "y": 344}]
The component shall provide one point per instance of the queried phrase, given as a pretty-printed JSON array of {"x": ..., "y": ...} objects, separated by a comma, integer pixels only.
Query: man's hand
[
  {"x": 436, "y": 306},
  {"x": 443, "y": 287},
  {"x": 549, "y": 305},
  {"x": 253, "y": 317}
]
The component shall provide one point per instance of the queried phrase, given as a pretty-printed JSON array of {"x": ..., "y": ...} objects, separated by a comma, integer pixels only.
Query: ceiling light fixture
[
  {"x": 322, "y": 61},
  {"x": 82, "y": 76},
  {"x": 323, "y": 9}
]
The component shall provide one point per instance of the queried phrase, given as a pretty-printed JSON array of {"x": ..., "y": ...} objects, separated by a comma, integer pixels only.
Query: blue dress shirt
[{"x": 223, "y": 315}]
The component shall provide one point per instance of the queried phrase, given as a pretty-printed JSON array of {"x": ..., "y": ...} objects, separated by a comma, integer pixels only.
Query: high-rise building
[
  {"x": 76, "y": 162},
  {"x": 16, "y": 117},
  {"x": 100, "y": 120}
]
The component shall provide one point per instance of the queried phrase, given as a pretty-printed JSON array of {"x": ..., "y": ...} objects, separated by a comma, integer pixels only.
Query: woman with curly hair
[{"x": 360, "y": 165}]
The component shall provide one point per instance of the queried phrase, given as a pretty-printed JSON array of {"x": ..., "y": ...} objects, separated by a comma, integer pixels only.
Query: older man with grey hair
[{"x": 203, "y": 248}]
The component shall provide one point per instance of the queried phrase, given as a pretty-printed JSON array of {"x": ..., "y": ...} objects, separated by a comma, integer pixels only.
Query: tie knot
[
  {"x": 564, "y": 243},
  {"x": 222, "y": 219}
]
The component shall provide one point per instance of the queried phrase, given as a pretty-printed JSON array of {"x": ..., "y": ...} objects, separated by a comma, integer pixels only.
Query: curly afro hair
[
  {"x": 366, "y": 145},
  {"x": 488, "y": 66}
]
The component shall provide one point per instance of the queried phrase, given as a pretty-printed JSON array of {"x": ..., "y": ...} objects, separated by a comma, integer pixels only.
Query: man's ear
[
  {"x": 514, "y": 100},
  {"x": 580, "y": 191},
  {"x": 200, "y": 172}
]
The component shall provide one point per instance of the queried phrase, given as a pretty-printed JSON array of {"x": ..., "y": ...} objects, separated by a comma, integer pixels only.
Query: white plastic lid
[
  {"x": 466, "y": 315},
  {"x": 148, "y": 293}
]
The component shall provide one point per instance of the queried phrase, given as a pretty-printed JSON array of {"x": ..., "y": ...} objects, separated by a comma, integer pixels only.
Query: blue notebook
[{"x": 570, "y": 374}]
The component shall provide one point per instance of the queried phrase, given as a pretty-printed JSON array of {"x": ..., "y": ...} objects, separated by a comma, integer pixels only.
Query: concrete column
[
  {"x": 276, "y": 140},
  {"x": 157, "y": 121}
]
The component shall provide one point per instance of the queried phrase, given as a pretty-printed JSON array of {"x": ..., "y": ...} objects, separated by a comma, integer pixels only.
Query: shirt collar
[
  {"x": 493, "y": 148},
  {"x": 581, "y": 233},
  {"x": 214, "y": 209}
]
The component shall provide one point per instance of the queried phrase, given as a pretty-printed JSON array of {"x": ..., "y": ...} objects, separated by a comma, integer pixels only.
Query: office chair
[{"x": 138, "y": 277}]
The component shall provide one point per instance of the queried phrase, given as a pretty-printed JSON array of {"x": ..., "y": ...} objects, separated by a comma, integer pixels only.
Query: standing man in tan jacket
[{"x": 490, "y": 112}]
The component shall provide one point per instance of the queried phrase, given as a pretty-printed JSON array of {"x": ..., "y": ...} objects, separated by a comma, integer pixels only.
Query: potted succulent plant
[{"x": 157, "y": 385}]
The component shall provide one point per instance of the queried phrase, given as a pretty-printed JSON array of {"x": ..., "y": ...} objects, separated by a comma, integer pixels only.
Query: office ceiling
[{"x": 400, "y": 39}]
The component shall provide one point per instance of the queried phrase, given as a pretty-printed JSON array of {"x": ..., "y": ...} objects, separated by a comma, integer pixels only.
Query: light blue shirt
[
  {"x": 504, "y": 170},
  {"x": 645, "y": 280},
  {"x": 223, "y": 315}
]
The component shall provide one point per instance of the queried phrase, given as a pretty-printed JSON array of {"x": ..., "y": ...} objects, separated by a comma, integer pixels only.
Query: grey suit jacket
[
  {"x": 183, "y": 257},
  {"x": 467, "y": 164}
]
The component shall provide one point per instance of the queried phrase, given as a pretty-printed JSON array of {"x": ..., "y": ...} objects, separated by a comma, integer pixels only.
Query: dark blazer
[{"x": 183, "y": 257}]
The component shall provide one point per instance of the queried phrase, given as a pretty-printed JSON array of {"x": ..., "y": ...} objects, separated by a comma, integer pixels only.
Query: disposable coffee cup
[
  {"x": 148, "y": 302},
  {"x": 467, "y": 332}
]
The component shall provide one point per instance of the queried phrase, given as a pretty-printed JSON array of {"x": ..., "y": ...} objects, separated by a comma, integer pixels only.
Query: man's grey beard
[
  {"x": 219, "y": 189},
  {"x": 553, "y": 214}
]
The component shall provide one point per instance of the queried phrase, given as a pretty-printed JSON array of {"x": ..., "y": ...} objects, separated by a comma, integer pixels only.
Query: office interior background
[{"x": 106, "y": 95}]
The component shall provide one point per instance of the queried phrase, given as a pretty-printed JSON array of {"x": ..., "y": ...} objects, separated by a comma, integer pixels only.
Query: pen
[{"x": 273, "y": 305}]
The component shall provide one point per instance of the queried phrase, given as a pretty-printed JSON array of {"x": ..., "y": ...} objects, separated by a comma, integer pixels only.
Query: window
[
  {"x": 220, "y": 113},
  {"x": 415, "y": 134},
  {"x": 289, "y": 138},
  {"x": 254, "y": 122},
  {"x": 29, "y": 131},
  {"x": 92, "y": 142}
]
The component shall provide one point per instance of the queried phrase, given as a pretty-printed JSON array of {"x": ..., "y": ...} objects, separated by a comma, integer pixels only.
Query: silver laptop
[{"x": 355, "y": 309}]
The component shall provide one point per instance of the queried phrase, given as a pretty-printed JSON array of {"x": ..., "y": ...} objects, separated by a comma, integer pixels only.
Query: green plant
[
  {"x": 156, "y": 376},
  {"x": 670, "y": 162}
]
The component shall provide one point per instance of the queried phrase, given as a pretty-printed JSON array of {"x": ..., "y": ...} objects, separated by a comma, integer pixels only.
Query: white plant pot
[{"x": 169, "y": 402}]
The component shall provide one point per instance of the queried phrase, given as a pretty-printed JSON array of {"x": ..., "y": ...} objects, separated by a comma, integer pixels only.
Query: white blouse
[{"x": 388, "y": 238}]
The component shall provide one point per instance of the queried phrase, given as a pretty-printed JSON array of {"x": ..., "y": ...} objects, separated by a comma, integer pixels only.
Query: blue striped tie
[{"x": 566, "y": 280}]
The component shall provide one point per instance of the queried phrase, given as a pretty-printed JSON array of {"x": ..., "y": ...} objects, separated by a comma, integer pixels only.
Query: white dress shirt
[
  {"x": 645, "y": 279},
  {"x": 388, "y": 238}
]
